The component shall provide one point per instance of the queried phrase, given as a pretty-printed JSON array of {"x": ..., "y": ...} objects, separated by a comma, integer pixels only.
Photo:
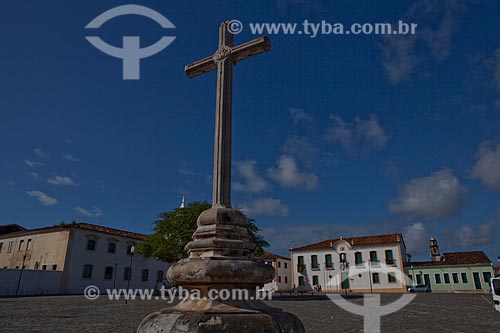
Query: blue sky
[{"x": 332, "y": 135}]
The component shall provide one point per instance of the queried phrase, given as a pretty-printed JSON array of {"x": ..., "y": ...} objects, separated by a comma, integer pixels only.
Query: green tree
[{"x": 175, "y": 229}]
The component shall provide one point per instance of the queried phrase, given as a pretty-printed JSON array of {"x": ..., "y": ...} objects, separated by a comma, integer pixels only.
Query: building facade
[
  {"x": 453, "y": 271},
  {"x": 85, "y": 254},
  {"x": 282, "y": 272},
  {"x": 356, "y": 264}
]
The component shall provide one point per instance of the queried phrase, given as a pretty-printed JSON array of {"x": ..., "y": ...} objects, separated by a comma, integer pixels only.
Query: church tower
[{"x": 434, "y": 248}]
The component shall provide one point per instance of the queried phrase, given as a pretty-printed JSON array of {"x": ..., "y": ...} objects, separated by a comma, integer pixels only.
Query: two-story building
[
  {"x": 282, "y": 271},
  {"x": 355, "y": 264},
  {"x": 79, "y": 255}
]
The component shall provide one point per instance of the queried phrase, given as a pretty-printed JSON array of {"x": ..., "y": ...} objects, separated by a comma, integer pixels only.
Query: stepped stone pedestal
[{"x": 220, "y": 257}]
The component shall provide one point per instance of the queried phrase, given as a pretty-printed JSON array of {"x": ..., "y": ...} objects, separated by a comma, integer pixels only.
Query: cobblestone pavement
[{"x": 427, "y": 313}]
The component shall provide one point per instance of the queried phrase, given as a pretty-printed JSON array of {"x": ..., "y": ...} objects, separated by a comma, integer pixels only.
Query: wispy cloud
[
  {"x": 253, "y": 182},
  {"x": 71, "y": 158},
  {"x": 438, "y": 196},
  {"x": 300, "y": 116},
  {"x": 35, "y": 176},
  {"x": 68, "y": 141},
  {"x": 359, "y": 137},
  {"x": 487, "y": 166},
  {"x": 33, "y": 164},
  {"x": 42, "y": 197},
  {"x": 416, "y": 240},
  {"x": 265, "y": 206},
  {"x": 93, "y": 213},
  {"x": 61, "y": 181},
  {"x": 41, "y": 153},
  {"x": 437, "y": 23},
  {"x": 481, "y": 235},
  {"x": 287, "y": 174}
]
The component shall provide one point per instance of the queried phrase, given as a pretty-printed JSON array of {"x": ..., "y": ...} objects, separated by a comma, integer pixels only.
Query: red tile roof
[
  {"x": 354, "y": 241},
  {"x": 86, "y": 226},
  {"x": 456, "y": 258},
  {"x": 269, "y": 255},
  {"x": 10, "y": 228}
]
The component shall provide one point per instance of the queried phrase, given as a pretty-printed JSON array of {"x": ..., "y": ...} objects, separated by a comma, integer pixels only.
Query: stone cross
[{"x": 223, "y": 61}]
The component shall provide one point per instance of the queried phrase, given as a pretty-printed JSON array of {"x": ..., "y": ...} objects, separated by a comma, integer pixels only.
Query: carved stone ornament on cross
[{"x": 221, "y": 253}]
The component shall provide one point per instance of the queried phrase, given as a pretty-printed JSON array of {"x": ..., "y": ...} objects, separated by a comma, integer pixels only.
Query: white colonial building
[
  {"x": 66, "y": 258},
  {"x": 282, "y": 272},
  {"x": 356, "y": 264}
]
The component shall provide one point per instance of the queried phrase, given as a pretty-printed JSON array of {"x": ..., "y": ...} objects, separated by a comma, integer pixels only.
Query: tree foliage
[{"x": 175, "y": 229}]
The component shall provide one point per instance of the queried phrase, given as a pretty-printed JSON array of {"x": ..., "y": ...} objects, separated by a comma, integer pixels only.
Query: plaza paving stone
[{"x": 427, "y": 313}]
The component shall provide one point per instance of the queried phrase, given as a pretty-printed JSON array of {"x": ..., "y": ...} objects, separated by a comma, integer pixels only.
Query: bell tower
[{"x": 434, "y": 249}]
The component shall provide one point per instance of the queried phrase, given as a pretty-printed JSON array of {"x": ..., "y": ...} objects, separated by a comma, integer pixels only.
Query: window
[
  {"x": 87, "y": 271},
  {"x": 91, "y": 245},
  {"x": 391, "y": 277},
  {"x": 389, "y": 259},
  {"x": 108, "y": 273},
  {"x": 300, "y": 264},
  {"x": 373, "y": 257},
  {"x": 111, "y": 247},
  {"x": 36, "y": 266},
  {"x": 300, "y": 260},
  {"x": 419, "y": 279},
  {"x": 302, "y": 282},
  {"x": 375, "y": 278},
  {"x": 1, "y": 245},
  {"x": 54, "y": 267},
  {"x": 286, "y": 265},
  {"x": 437, "y": 278},
  {"x": 279, "y": 264},
  {"x": 315, "y": 280},
  {"x": 21, "y": 243},
  {"x": 279, "y": 279},
  {"x": 286, "y": 279},
  {"x": 130, "y": 250},
  {"x": 28, "y": 245},
  {"x": 144, "y": 275},
  {"x": 44, "y": 267},
  {"x": 464, "y": 277},
  {"x": 358, "y": 258},
  {"x": 342, "y": 257},
  {"x": 455, "y": 278},
  {"x": 159, "y": 276},
  {"x": 314, "y": 262},
  {"x": 446, "y": 278},
  {"x": 9, "y": 247},
  {"x": 486, "y": 277},
  {"x": 127, "y": 274},
  {"x": 328, "y": 261}
]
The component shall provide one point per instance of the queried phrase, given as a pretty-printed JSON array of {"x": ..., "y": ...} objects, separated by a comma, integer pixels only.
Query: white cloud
[
  {"x": 42, "y": 197},
  {"x": 61, "y": 181},
  {"x": 415, "y": 237},
  {"x": 437, "y": 22},
  {"x": 254, "y": 183},
  {"x": 360, "y": 137},
  {"x": 288, "y": 175},
  {"x": 265, "y": 206},
  {"x": 483, "y": 235},
  {"x": 11, "y": 183},
  {"x": 487, "y": 167},
  {"x": 93, "y": 213},
  {"x": 68, "y": 141},
  {"x": 35, "y": 176},
  {"x": 299, "y": 116},
  {"x": 438, "y": 196},
  {"x": 33, "y": 164},
  {"x": 40, "y": 153},
  {"x": 70, "y": 158}
]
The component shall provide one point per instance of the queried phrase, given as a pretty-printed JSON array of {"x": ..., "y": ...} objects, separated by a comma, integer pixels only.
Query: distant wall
[{"x": 33, "y": 282}]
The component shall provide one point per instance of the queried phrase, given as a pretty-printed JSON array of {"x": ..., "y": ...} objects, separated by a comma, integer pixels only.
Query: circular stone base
[{"x": 172, "y": 320}]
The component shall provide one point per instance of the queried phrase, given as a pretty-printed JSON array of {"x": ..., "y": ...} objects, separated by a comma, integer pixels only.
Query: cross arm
[{"x": 240, "y": 52}]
